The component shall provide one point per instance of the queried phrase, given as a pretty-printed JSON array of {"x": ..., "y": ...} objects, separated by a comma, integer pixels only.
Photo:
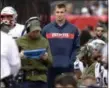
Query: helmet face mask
[
  {"x": 6, "y": 19},
  {"x": 8, "y": 16}
]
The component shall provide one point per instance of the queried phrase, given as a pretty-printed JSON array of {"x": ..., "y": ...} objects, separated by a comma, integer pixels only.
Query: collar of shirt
[{"x": 60, "y": 27}]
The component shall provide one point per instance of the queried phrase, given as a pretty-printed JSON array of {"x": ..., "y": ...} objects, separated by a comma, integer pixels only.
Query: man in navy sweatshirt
[{"x": 64, "y": 41}]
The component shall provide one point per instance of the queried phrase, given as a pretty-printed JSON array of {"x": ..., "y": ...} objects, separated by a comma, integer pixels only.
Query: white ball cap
[{"x": 9, "y": 11}]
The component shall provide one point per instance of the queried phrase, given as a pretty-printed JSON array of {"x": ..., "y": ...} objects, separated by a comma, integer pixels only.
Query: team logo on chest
[{"x": 60, "y": 35}]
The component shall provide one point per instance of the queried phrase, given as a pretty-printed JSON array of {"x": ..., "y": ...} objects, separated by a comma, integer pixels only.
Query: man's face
[
  {"x": 61, "y": 86},
  {"x": 99, "y": 31},
  {"x": 69, "y": 8},
  {"x": 34, "y": 34},
  {"x": 60, "y": 14},
  {"x": 97, "y": 55}
]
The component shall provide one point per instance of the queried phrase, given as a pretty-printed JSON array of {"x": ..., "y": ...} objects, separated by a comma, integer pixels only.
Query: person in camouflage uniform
[
  {"x": 97, "y": 56},
  {"x": 35, "y": 70},
  {"x": 87, "y": 63},
  {"x": 90, "y": 56}
]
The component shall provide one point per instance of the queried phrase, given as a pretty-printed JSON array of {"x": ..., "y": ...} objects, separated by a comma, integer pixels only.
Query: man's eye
[
  {"x": 57, "y": 12},
  {"x": 62, "y": 12}
]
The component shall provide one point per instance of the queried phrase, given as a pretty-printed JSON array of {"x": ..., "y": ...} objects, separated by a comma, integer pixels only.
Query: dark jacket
[{"x": 64, "y": 42}]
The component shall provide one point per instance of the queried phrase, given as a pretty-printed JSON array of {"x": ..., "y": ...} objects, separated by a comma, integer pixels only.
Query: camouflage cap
[{"x": 84, "y": 50}]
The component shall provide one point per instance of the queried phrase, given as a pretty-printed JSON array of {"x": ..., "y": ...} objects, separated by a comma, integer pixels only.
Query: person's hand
[
  {"x": 44, "y": 56},
  {"x": 22, "y": 54}
]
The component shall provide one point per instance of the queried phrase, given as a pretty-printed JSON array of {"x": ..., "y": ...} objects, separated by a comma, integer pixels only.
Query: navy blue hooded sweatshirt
[{"x": 64, "y": 42}]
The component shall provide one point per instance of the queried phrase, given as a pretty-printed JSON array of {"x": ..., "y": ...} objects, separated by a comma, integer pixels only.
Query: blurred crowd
[
  {"x": 97, "y": 8},
  {"x": 87, "y": 8}
]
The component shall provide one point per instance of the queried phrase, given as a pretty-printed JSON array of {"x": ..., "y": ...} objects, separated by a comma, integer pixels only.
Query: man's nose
[{"x": 59, "y": 13}]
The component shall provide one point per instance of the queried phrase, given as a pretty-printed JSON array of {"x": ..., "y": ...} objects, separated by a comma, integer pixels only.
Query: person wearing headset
[{"x": 35, "y": 70}]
